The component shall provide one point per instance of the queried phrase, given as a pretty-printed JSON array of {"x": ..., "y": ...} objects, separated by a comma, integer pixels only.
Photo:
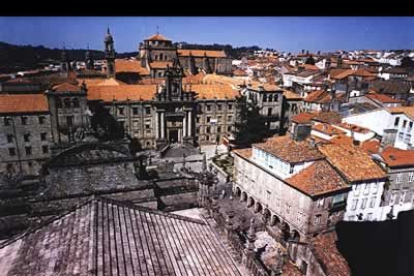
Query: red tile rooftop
[
  {"x": 327, "y": 129},
  {"x": 353, "y": 128},
  {"x": 394, "y": 157},
  {"x": 317, "y": 179},
  {"x": 21, "y": 103},
  {"x": 283, "y": 147}
]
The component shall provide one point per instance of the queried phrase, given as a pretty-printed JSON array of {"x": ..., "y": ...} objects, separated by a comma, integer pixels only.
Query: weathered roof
[
  {"x": 354, "y": 163},
  {"x": 290, "y": 95},
  {"x": 330, "y": 117},
  {"x": 66, "y": 87},
  {"x": 18, "y": 103},
  {"x": 326, "y": 252},
  {"x": 214, "y": 91},
  {"x": 246, "y": 153},
  {"x": 130, "y": 66},
  {"x": 108, "y": 93},
  {"x": 160, "y": 64},
  {"x": 371, "y": 146},
  {"x": 390, "y": 86},
  {"x": 289, "y": 150},
  {"x": 303, "y": 118},
  {"x": 326, "y": 129},
  {"x": 395, "y": 157},
  {"x": 354, "y": 128},
  {"x": 382, "y": 98},
  {"x": 318, "y": 96},
  {"x": 317, "y": 179},
  {"x": 201, "y": 53},
  {"x": 239, "y": 72},
  {"x": 105, "y": 237}
]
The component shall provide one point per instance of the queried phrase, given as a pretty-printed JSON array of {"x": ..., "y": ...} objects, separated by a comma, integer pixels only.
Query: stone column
[
  {"x": 162, "y": 125},
  {"x": 189, "y": 123},
  {"x": 185, "y": 124},
  {"x": 229, "y": 223},
  {"x": 248, "y": 253},
  {"x": 157, "y": 125}
]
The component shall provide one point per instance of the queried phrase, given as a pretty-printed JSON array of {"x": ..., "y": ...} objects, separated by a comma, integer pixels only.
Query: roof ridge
[{"x": 149, "y": 210}]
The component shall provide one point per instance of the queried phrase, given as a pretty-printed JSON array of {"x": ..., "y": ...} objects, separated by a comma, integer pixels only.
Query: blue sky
[{"x": 281, "y": 33}]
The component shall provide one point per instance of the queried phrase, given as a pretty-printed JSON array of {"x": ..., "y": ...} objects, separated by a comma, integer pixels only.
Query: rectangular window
[
  {"x": 398, "y": 179},
  {"x": 12, "y": 151},
  {"x": 403, "y": 196},
  {"x": 366, "y": 190},
  {"x": 291, "y": 169},
  {"x": 26, "y": 137},
  {"x": 69, "y": 120},
  {"x": 219, "y": 118},
  {"x": 321, "y": 202},
  {"x": 269, "y": 111},
  {"x": 147, "y": 126},
  {"x": 411, "y": 177},
  {"x": 198, "y": 130},
  {"x": 400, "y": 136},
  {"x": 229, "y": 118},
  {"x": 372, "y": 202},
  {"x": 410, "y": 126},
  {"x": 228, "y": 128},
  {"x": 219, "y": 129},
  {"x": 354, "y": 204},
  {"x": 198, "y": 119},
  {"x": 43, "y": 136},
  {"x": 219, "y": 107},
  {"x": 7, "y": 121},
  {"x": 24, "y": 120},
  {"x": 364, "y": 203},
  {"x": 135, "y": 110},
  {"x": 147, "y": 110},
  {"x": 28, "y": 151},
  {"x": 208, "y": 119},
  {"x": 375, "y": 188},
  {"x": 230, "y": 106},
  {"x": 397, "y": 121},
  {"x": 356, "y": 189},
  {"x": 268, "y": 193},
  {"x": 45, "y": 149},
  {"x": 208, "y": 107},
  {"x": 404, "y": 123},
  {"x": 120, "y": 110},
  {"x": 208, "y": 129},
  {"x": 9, "y": 138},
  {"x": 393, "y": 197},
  {"x": 42, "y": 120}
]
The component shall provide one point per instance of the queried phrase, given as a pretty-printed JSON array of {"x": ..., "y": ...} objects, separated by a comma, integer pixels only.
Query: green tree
[{"x": 250, "y": 126}]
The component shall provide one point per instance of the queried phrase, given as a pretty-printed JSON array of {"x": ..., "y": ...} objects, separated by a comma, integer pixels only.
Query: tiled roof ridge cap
[
  {"x": 45, "y": 223},
  {"x": 149, "y": 210}
]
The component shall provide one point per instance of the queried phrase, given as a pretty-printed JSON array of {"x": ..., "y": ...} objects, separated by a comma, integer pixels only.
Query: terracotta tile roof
[
  {"x": 329, "y": 117},
  {"x": 267, "y": 87},
  {"x": 289, "y": 95},
  {"x": 160, "y": 64},
  {"x": 283, "y": 147},
  {"x": 194, "y": 79},
  {"x": 155, "y": 81},
  {"x": 326, "y": 252},
  {"x": 246, "y": 153},
  {"x": 317, "y": 179},
  {"x": 354, "y": 163},
  {"x": 341, "y": 140},
  {"x": 214, "y": 91},
  {"x": 354, "y": 128},
  {"x": 18, "y": 103},
  {"x": 339, "y": 74},
  {"x": 382, "y": 98},
  {"x": 91, "y": 81},
  {"x": 130, "y": 66},
  {"x": 362, "y": 72},
  {"x": 407, "y": 110},
  {"x": 310, "y": 67},
  {"x": 318, "y": 96},
  {"x": 372, "y": 146},
  {"x": 19, "y": 81},
  {"x": 121, "y": 92},
  {"x": 303, "y": 118},
  {"x": 327, "y": 129},
  {"x": 219, "y": 79},
  {"x": 390, "y": 86},
  {"x": 239, "y": 73},
  {"x": 157, "y": 37},
  {"x": 395, "y": 157},
  {"x": 110, "y": 238},
  {"x": 200, "y": 53},
  {"x": 290, "y": 269},
  {"x": 66, "y": 87}
]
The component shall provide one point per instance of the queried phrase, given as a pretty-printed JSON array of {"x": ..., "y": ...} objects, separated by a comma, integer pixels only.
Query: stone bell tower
[{"x": 110, "y": 55}]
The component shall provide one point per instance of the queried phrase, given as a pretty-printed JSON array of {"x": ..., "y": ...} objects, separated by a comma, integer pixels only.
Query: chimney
[
  {"x": 388, "y": 138},
  {"x": 300, "y": 132}
]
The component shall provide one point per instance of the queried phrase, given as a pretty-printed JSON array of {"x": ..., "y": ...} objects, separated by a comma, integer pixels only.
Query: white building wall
[
  {"x": 365, "y": 199},
  {"x": 376, "y": 121}
]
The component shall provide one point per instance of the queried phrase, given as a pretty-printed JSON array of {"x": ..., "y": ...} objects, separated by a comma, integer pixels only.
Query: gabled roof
[
  {"x": 395, "y": 157},
  {"x": 303, "y": 118},
  {"x": 105, "y": 237},
  {"x": 354, "y": 163},
  {"x": 317, "y": 179},
  {"x": 108, "y": 93},
  {"x": 318, "y": 96},
  {"x": 158, "y": 37},
  {"x": 20, "y": 103},
  {"x": 382, "y": 98},
  {"x": 214, "y": 91},
  {"x": 290, "y": 95},
  {"x": 285, "y": 148},
  {"x": 130, "y": 66},
  {"x": 66, "y": 87}
]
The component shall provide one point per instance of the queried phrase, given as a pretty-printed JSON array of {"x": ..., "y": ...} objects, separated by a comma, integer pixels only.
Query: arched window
[
  {"x": 66, "y": 103},
  {"x": 75, "y": 102}
]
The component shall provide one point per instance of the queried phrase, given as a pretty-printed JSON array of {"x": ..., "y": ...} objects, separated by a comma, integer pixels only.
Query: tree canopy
[
  {"x": 310, "y": 60},
  {"x": 250, "y": 126}
]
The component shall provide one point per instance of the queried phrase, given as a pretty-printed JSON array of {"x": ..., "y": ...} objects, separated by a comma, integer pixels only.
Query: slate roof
[{"x": 105, "y": 237}]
